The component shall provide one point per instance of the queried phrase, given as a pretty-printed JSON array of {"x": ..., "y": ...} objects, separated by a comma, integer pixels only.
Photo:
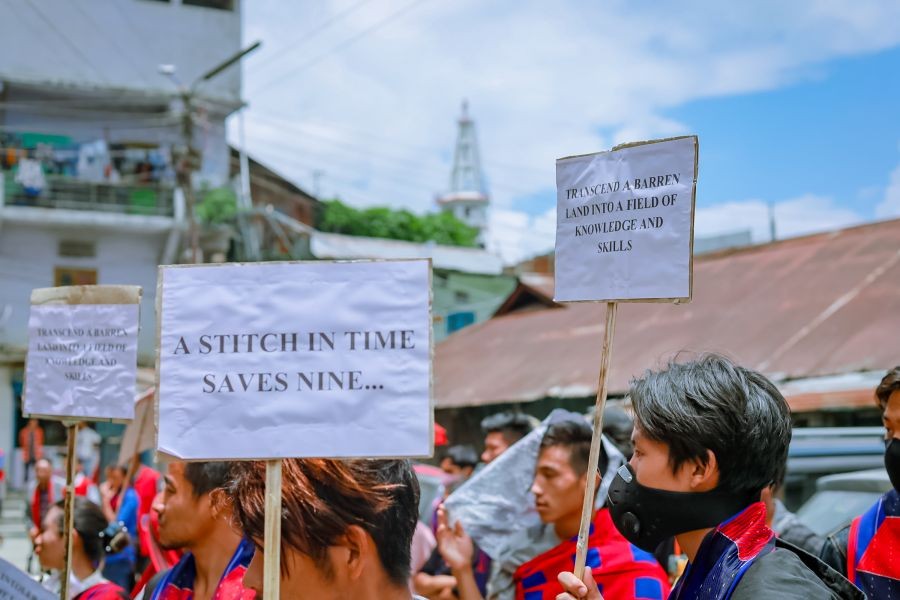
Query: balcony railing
[{"x": 70, "y": 193}]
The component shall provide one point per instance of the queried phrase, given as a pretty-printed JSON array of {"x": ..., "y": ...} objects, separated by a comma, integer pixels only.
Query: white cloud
[
  {"x": 793, "y": 217},
  {"x": 516, "y": 236},
  {"x": 890, "y": 206},
  {"x": 378, "y": 116}
]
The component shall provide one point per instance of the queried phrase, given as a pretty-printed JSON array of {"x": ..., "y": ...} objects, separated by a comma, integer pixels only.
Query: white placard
[
  {"x": 17, "y": 585},
  {"x": 306, "y": 359},
  {"x": 82, "y": 360},
  {"x": 624, "y": 228}
]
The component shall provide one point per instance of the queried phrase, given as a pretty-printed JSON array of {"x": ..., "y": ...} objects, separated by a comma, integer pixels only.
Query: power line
[
  {"x": 414, "y": 164},
  {"x": 381, "y": 138},
  {"x": 304, "y": 38},
  {"x": 346, "y": 43}
]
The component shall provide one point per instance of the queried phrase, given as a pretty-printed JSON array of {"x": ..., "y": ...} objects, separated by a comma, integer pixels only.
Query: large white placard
[
  {"x": 17, "y": 585},
  {"x": 625, "y": 223},
  {"x": 82, "y": 360},
  {"x": 306, "y": 359}
]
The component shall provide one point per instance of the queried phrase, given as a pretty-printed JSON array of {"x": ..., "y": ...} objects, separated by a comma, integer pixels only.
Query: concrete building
[
  {"x": 466, "y": 197},
  {"x": 89, "y": 127}
]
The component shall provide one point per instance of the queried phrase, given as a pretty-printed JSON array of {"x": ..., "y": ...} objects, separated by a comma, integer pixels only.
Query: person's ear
[
  {"x": 218, "y": 503},
  {"x": 704, "y": 475},
  {"x": 357, "y": 550}
]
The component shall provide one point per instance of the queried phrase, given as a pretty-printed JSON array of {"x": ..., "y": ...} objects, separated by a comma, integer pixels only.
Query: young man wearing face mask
[
  {"x": 868, "y": 550},
  {"x": 709, "y": 436}
]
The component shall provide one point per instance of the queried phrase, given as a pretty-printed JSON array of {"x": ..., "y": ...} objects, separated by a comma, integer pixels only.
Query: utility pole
[
  {"x": 317, "y": 175},
  {"x": 772, "y": 221},
  {"x": 187, "y": 164},
  {"x": 191, "y": 157}
]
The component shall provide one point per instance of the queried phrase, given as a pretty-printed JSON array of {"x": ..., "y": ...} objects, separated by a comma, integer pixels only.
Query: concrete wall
[
  {"x": 28, "y": 255},
  {"x": 119, "y": 44}
]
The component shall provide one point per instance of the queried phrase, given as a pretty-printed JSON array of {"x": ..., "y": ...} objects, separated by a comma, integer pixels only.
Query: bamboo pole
[
  {"x": 272, "y": 542},
  {"x": 69, "y": 510},
  {"x": 587, "y": 509}
]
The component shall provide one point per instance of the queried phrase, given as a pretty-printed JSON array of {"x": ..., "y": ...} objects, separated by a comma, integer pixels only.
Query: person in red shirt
[
  {"x": 146, "y": 486},
  {"x": 31, "y": 440}
]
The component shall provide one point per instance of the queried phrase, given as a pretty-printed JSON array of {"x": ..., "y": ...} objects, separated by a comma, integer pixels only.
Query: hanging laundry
[
  {"x": 92, "y": 160},
  {"x": 31, "y": 177}
]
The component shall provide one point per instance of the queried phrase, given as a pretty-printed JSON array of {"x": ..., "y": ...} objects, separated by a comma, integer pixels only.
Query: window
[
  {"x": 74, "y": 276},
  {"x": 217, "y": 4},
  {"x": 456, "y": 321},
  {"x": 77, "y": 249},
  {"x": 460, "y": 296}
]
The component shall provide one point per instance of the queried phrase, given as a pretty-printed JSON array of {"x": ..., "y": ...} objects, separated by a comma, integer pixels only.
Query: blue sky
[
  {"x": 836, "y": 134},
  {"x": 795, "y": 103}
]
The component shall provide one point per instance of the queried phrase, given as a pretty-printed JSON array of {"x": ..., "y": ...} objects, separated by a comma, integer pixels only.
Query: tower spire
[{"x": 467, "y": 196}]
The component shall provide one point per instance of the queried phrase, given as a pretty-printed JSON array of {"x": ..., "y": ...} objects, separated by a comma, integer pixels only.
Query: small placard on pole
[
  {"x": 625, "y": 230},
  {"x": 624, "y": 227},
  {"x": 81, "y": 365},
  {"x": 82, "y": 352}
]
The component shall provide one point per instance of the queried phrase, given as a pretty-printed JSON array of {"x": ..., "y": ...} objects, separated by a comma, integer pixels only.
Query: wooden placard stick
[
  {"x": 69, "y": 508},
  {"x": 587, "y": 509},
  {"x": 272, "y": 542}
]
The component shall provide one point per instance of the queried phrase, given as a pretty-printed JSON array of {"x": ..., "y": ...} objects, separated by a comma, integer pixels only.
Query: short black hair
[
  {"x": 576, "y": 436},
  {"x": 205, "y": 477},
  {"x": 393, "y": 529},
  {"x": 890, "y": 383},
  {"x": 713, "y": 404},
  {"x": 617, "y": 427},
  {"x": 462, "y": 456},
  {"x": 512, "y": 426}
]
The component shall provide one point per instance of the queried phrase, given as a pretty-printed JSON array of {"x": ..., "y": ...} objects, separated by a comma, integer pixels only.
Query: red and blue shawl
[
  {"x": 873, "y": 549},
  {"x": 725, "y": 555},
  {"x": 178, "y": 583},
  {"x": 103, "y": 591},
  {"x": 622, "y": 571}
]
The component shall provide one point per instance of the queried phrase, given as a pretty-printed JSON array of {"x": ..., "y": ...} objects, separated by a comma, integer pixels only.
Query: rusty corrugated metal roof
[{"x": 818, "y": 305}]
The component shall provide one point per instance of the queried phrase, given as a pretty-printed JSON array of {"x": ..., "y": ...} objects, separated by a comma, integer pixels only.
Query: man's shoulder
[
  {"x": 834, "y": 550},
  {"x": 786, "y": 573}
]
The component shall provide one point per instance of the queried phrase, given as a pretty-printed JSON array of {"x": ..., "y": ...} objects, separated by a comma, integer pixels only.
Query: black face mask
[
  {"x": 646, "y": 517},
  {"x": 892, "y": 461}
]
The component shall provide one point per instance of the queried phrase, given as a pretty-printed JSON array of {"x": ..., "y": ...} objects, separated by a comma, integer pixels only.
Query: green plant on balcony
[
  {"x": 216, "y": 212},
  {"x": 218, "y": 206}
]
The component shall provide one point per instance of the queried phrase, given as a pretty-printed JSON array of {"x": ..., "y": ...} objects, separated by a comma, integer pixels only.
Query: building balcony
[
  {"x": 68, "y": 193},
  {"x": 65, "y": 202}
]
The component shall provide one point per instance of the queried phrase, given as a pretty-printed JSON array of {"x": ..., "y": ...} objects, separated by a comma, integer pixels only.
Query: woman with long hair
[{"x": 92, "y": 539}]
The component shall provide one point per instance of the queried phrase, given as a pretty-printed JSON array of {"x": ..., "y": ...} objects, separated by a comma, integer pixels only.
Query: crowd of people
[{"x": 694, "y": 474}]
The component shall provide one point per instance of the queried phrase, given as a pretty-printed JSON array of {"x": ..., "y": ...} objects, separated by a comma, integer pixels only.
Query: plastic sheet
[{"x": 497, "y": 502}]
